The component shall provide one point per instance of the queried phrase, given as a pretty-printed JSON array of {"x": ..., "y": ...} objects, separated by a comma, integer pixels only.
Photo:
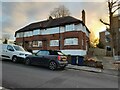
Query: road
[{"x": 22, "y": 76}]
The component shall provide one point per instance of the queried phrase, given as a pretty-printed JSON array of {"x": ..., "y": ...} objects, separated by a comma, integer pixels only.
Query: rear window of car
[{"x": 56, "y": 53}]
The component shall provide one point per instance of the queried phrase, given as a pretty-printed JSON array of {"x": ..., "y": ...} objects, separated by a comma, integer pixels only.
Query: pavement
[{"x": 92, "y": 69}]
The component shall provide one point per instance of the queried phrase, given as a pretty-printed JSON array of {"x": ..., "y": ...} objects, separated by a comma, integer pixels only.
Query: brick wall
[{"x": 46, "y": 40}]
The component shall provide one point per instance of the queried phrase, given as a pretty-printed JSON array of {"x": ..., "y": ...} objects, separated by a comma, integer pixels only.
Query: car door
[
  {"x": 45, "y": 57},
  {"x": 9, "y": 52},
  {"x": 37, "y": 58}
]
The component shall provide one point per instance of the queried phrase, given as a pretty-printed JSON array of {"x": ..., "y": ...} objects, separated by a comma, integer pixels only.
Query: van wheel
[
  {"x": 14, "y": 59},
  {"x": 52, "y": 65},
  {"x": 27, "y": 61}
]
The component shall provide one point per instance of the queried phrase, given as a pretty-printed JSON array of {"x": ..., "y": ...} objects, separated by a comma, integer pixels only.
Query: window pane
[
  {"x": 19, "y": 34},
  {"x": 71, "y": 41},
  {"x": 43, "y": 53},
  {"x": 70, "y": 27},
  {"x": 28, "y": 34},
  {"x": 36, "y": 32},
  {"x": 50, "y": 31},
  {"x": 54, "y": 43},
  {"x": 37, "y": 43}
]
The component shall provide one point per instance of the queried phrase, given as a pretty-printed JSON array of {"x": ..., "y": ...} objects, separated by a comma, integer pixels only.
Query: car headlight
[{"x": 21, "y": 54}]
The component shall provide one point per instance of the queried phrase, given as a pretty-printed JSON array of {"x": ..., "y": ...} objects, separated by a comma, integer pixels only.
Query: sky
[{"x": 15, "y": 14}]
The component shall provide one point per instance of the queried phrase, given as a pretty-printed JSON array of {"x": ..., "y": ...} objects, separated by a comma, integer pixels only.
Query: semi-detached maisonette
[{"x": 68, "y": 34}]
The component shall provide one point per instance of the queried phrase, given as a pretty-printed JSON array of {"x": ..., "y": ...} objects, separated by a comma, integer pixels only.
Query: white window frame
[
  {"x": 28, "y": 34},
  {"x": 37, "y": 44},
  {"x": 70, "y": 27},
  {"x": 54, "y": 42},
  {"x": 36, "y": 30},
  {"x": 20, "y": 34},
  {"x": 71, "y": 41}
]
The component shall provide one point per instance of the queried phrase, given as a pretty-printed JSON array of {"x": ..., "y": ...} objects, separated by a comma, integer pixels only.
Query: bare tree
[
  {"x": 113, "y": 7},
  {"x": 61, "y": 11}
]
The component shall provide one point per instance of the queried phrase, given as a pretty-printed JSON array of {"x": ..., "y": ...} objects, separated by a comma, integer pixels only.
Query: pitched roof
[{"x": 50, "y": 23}]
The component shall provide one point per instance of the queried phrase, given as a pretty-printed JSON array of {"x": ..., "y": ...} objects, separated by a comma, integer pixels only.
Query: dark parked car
[{"x": 52, "y": 59}]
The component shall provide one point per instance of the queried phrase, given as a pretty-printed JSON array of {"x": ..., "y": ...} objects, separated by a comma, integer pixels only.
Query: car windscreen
[
  {"x": 18, "y": 48},
  {"x": 56, "y": 53}
]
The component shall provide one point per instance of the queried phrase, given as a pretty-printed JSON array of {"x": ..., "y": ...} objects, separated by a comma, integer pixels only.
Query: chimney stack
[{"x": 83, "y": 16}]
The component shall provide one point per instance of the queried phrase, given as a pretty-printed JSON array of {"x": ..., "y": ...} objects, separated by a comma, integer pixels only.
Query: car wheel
[
  {"x": 14, "y": 59},
  {"x": 52, "y": 65},
  {"x": 27, "y": 61}
]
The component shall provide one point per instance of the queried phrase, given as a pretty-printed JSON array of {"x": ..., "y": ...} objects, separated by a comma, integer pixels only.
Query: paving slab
[{"x": 92, "y": 69}]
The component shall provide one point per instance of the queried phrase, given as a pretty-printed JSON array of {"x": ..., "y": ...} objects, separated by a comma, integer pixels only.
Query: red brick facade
[{"x": 46, "y": 41}]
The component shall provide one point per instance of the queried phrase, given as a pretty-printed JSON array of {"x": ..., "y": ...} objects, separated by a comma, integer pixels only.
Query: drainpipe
[
  {"x": 59, "y": 39},
  {"x": 23, "y": 40}
]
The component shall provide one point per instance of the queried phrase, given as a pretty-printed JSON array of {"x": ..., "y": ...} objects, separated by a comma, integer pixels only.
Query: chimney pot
[{"x": 83, "y": 16}]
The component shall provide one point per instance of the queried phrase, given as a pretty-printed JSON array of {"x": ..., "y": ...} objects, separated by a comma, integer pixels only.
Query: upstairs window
[
  {"x": 107, "y": 38},
  {"x": 70, "y": 27},
  {"x": 28, "y": 34},
  {"x": 19, "y": 35},
  {"x": 50, "y": 31},
  {"x": 71, "y": 41},
  {"x": 36, "y": 32}
]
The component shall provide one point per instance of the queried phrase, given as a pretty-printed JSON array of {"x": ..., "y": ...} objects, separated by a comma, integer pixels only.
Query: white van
[{"x": 13, "y": 52}]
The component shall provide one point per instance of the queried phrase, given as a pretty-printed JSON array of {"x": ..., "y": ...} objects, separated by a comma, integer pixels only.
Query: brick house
[
  {"x": 68, "y": 34},
  {"x": 105, "y": 37}
]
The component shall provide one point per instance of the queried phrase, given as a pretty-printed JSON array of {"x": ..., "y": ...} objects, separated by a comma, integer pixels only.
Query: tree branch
[
  {"x": 116, "y": 6},
  {"x": 104, "y": 22},
  {"x": 115, "y": 10},
  {"x": 115, "y": 2}
]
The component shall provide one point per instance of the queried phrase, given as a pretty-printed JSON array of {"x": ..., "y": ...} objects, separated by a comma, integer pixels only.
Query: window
[
  {"x": 56, "y": 53},
  {"x": 10, "y": 48},
  {"x": 62, "y": 29},
  {"x": 50, "y": 31},
  {"x": 18, "y": 48},
  {"x": 70, "y": 27},
  {"x": 119, "y": 29},
  {"x": 43, "y": 53},
  {"x": 37, "y": 43},
  {"x": 107, "y": 38},
  {"x": 54, "y": 43},
  {"x": 78, "y": 27},
  {"x": 36, "y": 32},
  {"x": 19, "y": 34},
  {"x": 28, "y": 34},
  {"x": 71, "y": 41},
  {"x": 108, "y": 48},
  {"x": 30, "y": 44},
  {"x": 107, "y": 33}
]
